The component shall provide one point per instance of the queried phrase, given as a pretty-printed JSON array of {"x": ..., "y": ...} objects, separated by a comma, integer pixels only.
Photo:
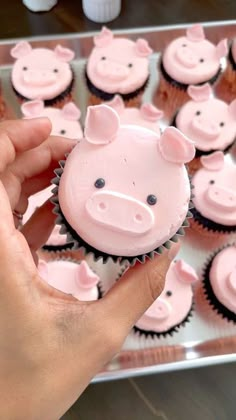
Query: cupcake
[
  {"x": 214, "y": 187},
  {"x": 71, "y": 277},
  {"x": 146, "y": 116},
  {"x": 41, "y": 73},
  {"x": 226, "y": 88},
  {"x": 117, "y": 66},
  {"x": 172, "y": 309},
  {"x": 187, "y": 60},
  {"x": 208, "y": 121},
  {"x": 123, "y": 192},
  {"x": 64, "y": 121},
  {"x": 219, "y": 282}
]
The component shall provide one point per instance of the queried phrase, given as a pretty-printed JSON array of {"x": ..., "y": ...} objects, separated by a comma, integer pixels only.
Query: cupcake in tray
[
  {"x": 117, "y": 66},
  {"x": 172, "y": 309},
  {"x": 41, "y": 73},
  {"x": 214, "y": 189},
  {"x": 71, "y": 277},
  {"x": 226, "y": 88},
  {"x": 188, "y": 60},
  {"x": 219, "y": 282},
  {"x": 123, "y": 192}
]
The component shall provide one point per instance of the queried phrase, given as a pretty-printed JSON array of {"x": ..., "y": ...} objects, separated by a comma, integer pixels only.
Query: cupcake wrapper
[
  {"x": 209, "y": 225},
  {"x": 79, "y": 243},
  {"x": 57, "y": 248},
  {"x": 105, "y": 289},
  {"x": 217, "y": 306}
]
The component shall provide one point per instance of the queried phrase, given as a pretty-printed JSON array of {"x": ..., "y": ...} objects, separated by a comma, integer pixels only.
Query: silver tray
[{"x": 207, "y": 338}]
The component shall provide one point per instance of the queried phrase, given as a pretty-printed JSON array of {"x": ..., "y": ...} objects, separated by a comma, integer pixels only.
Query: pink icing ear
[
  {"x": 101, "y": 125},
  {"x": 21, "y": 49},
  {"x": 117, "y": 103},
  {"x": 142, "y": 48},
  {"x": 185, "y": 272},
  {"x": 222, "y": 49},
  {"x": 214, "y": 161},
  {"x": 232, "y": 108},
  {"x": 71, "y": 112},
  {"x": 43, "y": 269},
  {"x": 32, "y": 108},
  {"x": 200, "y": 93},
  {"x": 103, "y": 38},
  {"x": 64, "y": 54},
  {"x": 150, "y": 112},
  {"x": 85, "y": 277},
  {"x": 195, "y": 33},
  {"x": 175, "y": 147}
]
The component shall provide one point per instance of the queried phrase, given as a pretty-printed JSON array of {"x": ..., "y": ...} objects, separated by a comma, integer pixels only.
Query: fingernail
[{"x": 174, "y": 251}]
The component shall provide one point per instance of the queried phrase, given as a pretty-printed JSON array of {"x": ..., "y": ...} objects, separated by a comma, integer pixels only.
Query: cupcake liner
[
  {"x": 203, "y": 224},
  {"x": 105, "y": 289},
  {"x": 79, "y": 243},
  {"x": 216, "y": 305},
  {"x": 57, "y": 248}
]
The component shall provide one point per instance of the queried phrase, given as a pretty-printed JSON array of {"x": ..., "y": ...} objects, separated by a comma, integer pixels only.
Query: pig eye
[
  {"x": 168, "y": 293},
  {"x": 103, "y": 58},
  {"x": 63, "y": 132},
  {"x": 222, "y": 124},
  {"x": 198, "y": 113},
  {"x": 55, "y": 70},
  {"x": 184, "y": 45},
  {"x": 201, "y": 60},
  {"x": 151, "y": 199},
  {"x": 130, "y": 65},
  {"x": 25, "y": 68},
  {"x": 99, "y": 183},
  {"x": 211, "y": 181}
]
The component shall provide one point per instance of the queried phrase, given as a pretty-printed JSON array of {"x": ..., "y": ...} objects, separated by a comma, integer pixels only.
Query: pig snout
[
  {"x": 39, "y": 78},
  {"x": 186, "y": 57},
  {"x": 221, "y": 197},
  {"x": 112, "y": 70},
  {"x": 232, "y": 281},
  {"x": 160, "y": 309},
  {"x": 205, "y": 127},
  {"x": 120, "y": 212}
]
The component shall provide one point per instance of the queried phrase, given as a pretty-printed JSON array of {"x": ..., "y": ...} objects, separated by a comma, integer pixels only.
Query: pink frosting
[
  {"x": 145, "y": 116},
  {"x": 223, "y": 277},
  {"x": 209, "y": 122},
  {"x": 215, "y": 189},
  {"x": 64, "y": 121},
  {"x": 233, "y": 49},
  {"x": 135, "y": 165},
  {"x": 41, "y": 73},
  {"x": 118, "y": 65},
  {"x": 70, "y": 277},
  {"x": 175, "y": 301},
  {"x": 182, "y": 59}
]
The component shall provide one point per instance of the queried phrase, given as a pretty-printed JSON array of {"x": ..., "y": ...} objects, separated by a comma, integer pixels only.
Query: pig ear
[
  {"x": 21, "y": 49},
  {"x": 43, "y": 269},
  {"x": 64, "y": 54},
  {"x": 32, "y": 108},
  {"x": 175, "y": 147},
  {"x": 150, "y": 112},
  {"x": 142, "y": 48},
  {"x": 85, "y": 277},
  {"x": 117, "y": 103},
  {"x": 214, "y": 161},
  {"x": 103, "y": 38},
  {"x": 71, "y": 112},
  {"x": 195, "y": 33},
  {"x": 200, "y": 93},
  {"x": 222, "y": 49},
  {"x": 232, "y": 108},
  {"x": 101, "y": 125},
  {"x": 185, "y": 272}
]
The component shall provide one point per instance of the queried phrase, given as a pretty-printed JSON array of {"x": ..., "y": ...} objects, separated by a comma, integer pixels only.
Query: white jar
[
  {"x": 39, "y": 5},
  {"x": 101, "y": 10}
]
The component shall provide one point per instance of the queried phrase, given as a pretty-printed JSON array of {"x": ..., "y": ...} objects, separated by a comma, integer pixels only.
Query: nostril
[
  {"x": 138, "y": 218},
  {"x": 102, "y": 206}
]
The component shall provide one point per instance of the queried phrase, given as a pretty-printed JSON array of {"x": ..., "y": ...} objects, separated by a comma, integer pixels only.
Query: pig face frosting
[
  {"x": 145, "y": 116},
  {"x": 129, "y": 187},
  {"x": 209, "y": 122},
  {"x": 71, "y": 278},
  {"x": 64, "y": 121},
  {"x": 192, "y": 59},
  {"x": 118, "y": 65},
  {"x": 41, "y": 73},
  {"x": 215, "y": 189},
  {"x": 174, "y": 304}
]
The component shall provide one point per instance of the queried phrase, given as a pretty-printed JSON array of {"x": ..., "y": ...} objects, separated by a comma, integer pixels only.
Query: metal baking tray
[{"x": 207, "y": 338}]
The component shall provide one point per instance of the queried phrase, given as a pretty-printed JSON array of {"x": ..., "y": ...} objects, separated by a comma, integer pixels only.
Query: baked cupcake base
[
  {"x": 226, "y": 88},
  {"x": 208, "y": 227}
]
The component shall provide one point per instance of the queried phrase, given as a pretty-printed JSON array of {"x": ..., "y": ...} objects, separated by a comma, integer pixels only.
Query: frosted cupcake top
[
  {"x": 128, "y": 186},
  {"x": 41, "y": 73},
  {"x": 175, "y": 301},
  {"x": 192, "y": 59},
  {"x": 209, "y": 122},
  {"x": 118, "y": 65}
]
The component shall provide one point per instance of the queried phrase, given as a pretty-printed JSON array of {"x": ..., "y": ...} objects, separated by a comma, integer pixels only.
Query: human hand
[{"x": 51, "y": 344}]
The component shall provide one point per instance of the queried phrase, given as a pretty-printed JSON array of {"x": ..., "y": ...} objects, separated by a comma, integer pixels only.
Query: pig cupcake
[
  {"x": 188, "y": 60},
  {"x": 123, "y": 192},
  {"x": 219, "y": 282},
  {"x": 71, "y": 277},
  {"x": 226, "y": 88},
  {"x": 41, "y": 73},
  {"x": 64, "y": 121},
  {"x": 214, "y": 199},
  {"x": 117, "y": 66},
  {"x": 172, "y": 309},
  {"x": 146, "y": 116}
]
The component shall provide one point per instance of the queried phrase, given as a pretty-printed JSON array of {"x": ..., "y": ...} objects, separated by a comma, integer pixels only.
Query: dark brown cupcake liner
[
  {"x": 57, "y": 248},
  {"x": 209, "y": 225}
]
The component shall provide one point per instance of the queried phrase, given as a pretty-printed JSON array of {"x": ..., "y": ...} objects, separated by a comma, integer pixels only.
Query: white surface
[
  {"x": 39, "y": 5},
  {"x": 101, "y": 10}
]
